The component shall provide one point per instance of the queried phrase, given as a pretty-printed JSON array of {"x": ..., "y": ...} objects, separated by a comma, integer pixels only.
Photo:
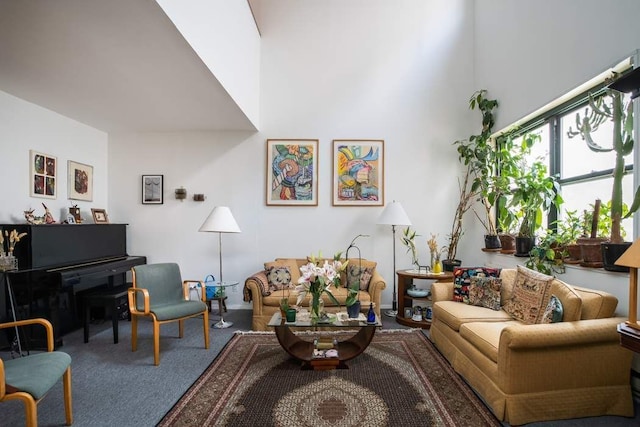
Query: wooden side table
[{"x": 405, "y": 281}]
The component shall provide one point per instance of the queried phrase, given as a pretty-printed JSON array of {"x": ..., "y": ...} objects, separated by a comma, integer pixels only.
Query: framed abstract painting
[
  {"x": 358, "y": 172},
  {"x": 292, "y": 172},
  {"x": 80, "y": 181},
  {"x": 42, "y": 175}
]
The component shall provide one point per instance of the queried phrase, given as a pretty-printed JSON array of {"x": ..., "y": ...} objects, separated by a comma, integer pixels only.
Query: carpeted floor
[{"x": 400, "y": 380}]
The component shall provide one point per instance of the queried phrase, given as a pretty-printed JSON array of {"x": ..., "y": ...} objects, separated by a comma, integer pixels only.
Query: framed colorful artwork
[
  {"x": 42, "y": 175},
  {"x": 152, "y": 189},
  {"x": 358, "y": 172},
  {"x": 292, "y": 172},
  {"x": 79, "y": 181}
]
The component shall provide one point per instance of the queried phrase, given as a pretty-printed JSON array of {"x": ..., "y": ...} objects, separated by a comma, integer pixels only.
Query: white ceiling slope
[{"x": 116, "y": 65}]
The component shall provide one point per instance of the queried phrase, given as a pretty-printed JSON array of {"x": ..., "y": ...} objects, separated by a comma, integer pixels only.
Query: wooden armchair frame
[
  {"x": 135, "y": 293},
  {"x": 8, "y": 392}
]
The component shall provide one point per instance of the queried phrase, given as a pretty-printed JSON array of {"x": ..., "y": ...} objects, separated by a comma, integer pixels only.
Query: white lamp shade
[
  {"x": 220, "y": 220},
  {"x": 394, "y": 214}
]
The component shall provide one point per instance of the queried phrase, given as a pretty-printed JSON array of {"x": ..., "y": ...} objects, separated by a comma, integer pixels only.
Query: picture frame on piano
[
  {"x": 100, "y": 216},
  {"x": 292, "y": 172}
]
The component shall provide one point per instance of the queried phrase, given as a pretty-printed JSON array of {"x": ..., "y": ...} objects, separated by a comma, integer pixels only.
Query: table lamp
[
  {"x": 220, "y": 220},
  {"x": 631, "y": 258},
  {"x": 393, "y": 214}
]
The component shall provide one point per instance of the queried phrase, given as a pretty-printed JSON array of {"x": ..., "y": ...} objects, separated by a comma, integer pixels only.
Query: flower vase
[{"x": 316, "y": 307}]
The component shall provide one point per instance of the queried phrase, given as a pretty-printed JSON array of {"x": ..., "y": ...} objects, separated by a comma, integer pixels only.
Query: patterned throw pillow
[
  {"x": 462, "y": 280},
  {"x": 529, "y": 296},
  {"x": 485, "y": 292},
  {"x": 554, "y": 311},
  {"x": 278, "y": 277},
  {"x": 354, "y": 278}
]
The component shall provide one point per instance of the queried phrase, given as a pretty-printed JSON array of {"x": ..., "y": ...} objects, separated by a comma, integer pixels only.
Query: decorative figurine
[{"x": 48, "y": 218}]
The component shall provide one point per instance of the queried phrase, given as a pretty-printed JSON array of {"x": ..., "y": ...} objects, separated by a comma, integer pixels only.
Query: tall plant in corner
[
  {"x": 485, "y": 160},
  {"x": 611, "y": 107}
]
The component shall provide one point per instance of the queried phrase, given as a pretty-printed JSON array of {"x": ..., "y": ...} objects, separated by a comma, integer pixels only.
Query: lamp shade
[
  {"x": 394, "y": 214},
  {"x": 630, "y": 257},
  {"x": 220, "y": 220}
]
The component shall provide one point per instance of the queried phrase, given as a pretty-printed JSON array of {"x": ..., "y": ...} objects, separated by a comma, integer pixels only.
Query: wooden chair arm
[
  {"x": 40, "y": 321},
  {"x": 133, "y": 307},
  {"x": 185, "y": 289}
]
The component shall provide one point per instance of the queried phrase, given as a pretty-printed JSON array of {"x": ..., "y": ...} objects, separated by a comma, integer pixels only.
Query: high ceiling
[{"x": 115, "y": 65}]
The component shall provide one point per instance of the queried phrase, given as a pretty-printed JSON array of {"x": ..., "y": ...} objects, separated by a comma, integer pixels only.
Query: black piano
[{"x": 57, "y": 264}]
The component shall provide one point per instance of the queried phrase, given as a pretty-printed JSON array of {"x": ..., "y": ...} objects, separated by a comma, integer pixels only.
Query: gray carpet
[{"x": 113, "y": 386}]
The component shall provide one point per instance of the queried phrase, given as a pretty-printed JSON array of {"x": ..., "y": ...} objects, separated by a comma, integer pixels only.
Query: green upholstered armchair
[
  {"x": 29, "y": 378},
  {"x": 159, "y": 292}
]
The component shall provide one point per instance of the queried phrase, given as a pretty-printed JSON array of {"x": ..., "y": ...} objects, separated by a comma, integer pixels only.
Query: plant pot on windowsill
[
  {"x": 574, "y": 254},
  {"x": 491, "y": 242},
  {"x": 610, "y": 254},
  {"x": 524, "y": 245},
  {"x": 450, "y": 264},
  {"x": 591, "y": 251},
  {"x": 508, "y": 243}
]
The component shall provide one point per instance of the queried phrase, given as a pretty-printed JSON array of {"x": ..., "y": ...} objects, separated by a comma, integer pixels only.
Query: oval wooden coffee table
[{"x": 302, "y": 350}]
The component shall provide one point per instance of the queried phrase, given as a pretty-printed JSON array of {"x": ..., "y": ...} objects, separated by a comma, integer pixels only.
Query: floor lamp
[
  {"x": 393, "y": 214},
  {"x": 220, "y": 220}
]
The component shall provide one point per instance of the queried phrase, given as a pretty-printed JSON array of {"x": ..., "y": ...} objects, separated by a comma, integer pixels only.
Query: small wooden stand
[{"x": 405, "y": 281}]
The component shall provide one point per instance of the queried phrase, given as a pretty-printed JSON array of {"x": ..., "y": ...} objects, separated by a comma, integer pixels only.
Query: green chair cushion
[
  {"x": 177, "y": 310},
  {"x": 36, "y": 373}
]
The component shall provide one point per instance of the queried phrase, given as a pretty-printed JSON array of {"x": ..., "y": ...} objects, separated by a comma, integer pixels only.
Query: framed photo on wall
[
  {"x": 42, "y": 175},
  {"x": 358, "y": 172},
  {"x": 292, "y": 172},
  {"x": 79, "y": 181},
  {"x": 152, "y": 189}
]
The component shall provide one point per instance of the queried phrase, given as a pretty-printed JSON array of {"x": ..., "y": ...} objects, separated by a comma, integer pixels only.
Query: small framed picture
[
  {"x": 71, "y": 219},
  {"x": 100, "y": 216},
  {"x": 43, "y": 175},
  {"x": 152, "y": 189},
  {"x": 408, "y": 312},
  {"x": 80, "y": 181}
]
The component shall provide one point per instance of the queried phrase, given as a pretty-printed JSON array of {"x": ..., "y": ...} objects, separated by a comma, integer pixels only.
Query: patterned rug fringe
[{"x": 379, "y": 331}]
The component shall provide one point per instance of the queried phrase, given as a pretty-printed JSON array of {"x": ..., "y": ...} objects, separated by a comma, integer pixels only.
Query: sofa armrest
[
  {"x": 376, "y": 286},
  {"x": 441, "y": 291},
  {"x": 580, "y": 354},
  {"x": 255, "y": 287}
]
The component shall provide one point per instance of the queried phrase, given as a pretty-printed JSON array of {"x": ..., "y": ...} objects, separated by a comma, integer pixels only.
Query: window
[{"x": 583, "y": 174}]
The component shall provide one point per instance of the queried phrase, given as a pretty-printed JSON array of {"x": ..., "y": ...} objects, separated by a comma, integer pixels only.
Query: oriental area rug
[{"x": 400, "y": 380}]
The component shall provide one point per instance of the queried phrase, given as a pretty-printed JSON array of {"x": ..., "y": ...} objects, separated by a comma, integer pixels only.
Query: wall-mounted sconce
[
  {"x": 198, "y": 197},
  {"x": 181, "y": 193}
]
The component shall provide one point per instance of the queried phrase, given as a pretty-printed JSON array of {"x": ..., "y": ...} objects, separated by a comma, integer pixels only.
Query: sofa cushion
[
  {"x": 291, "y": 263},
  {"x": 530, "y": 296},
  {"x": 340, "y": 294},
  {"x": 571, "y": 301},
  {"x": 485, "y": 292},
  {"x": 596, "y": 304},
  {"x": 278, "y": 277},
  {"x": 462, "y": 280},
  {"x": 454, "y": 314},
  {"x": 485, "y": 336},
  {"x": 508, "y": 276},
  {"x": 553, "y": 312},
  {"x": 357, "y": 280}
]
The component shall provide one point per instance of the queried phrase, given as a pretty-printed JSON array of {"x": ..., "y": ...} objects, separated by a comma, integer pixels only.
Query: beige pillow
[
  {"x": 286, "y": 262},
  {"x": 355, "y": 278},
  {"x": 530, "y": 296}
]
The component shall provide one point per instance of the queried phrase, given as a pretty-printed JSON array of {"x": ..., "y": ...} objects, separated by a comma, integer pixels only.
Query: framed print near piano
[
  {"x": 80, "y": 181},
  {"x": 100, "y": 216},
  {"x": 42, "y": 175},
  {"x": 152, "y": 189},
  {"x": 292, "y": 172}
]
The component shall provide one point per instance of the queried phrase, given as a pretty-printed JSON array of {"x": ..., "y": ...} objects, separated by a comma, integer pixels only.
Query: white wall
[
  {"x": 223, "y": 33},
  {"x": 330, "y": 70},
  {"x": 25, "y": 126}
]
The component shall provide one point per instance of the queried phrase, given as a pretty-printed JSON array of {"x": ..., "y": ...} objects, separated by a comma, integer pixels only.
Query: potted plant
[
  {"x": 408, "y": 239},
  {"x": 534, "y": 192},
  {"x": 568, "y": 231},
  {"x": 481, "y": 155},
  {"x": 547, "y": 255},
  {"x": 611, "y": 107},
  {"x": 465, "y": 200},
  {"x": 353, "y": 300}
]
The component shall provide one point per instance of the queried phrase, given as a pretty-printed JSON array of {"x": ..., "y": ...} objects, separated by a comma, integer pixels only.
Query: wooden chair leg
[
  {"x": 134, "y": 333},
  {"x": 156, "y": 342},
  {"x": 181, "y": 328},
  {"x": 68, "y": 409},
  {"x": 30, "y": 408},
  {"x": 205, "y": 325}
]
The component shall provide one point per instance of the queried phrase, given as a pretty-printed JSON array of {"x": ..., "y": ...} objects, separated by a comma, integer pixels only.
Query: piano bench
[{"x": 110, "y": 299}]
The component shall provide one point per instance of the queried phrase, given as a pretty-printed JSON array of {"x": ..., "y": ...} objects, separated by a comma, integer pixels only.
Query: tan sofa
[
  {"x": 537, "y": 372},
  {"x": 266, "y": 301}
]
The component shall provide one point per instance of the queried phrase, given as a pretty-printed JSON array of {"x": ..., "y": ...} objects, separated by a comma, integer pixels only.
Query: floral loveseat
[
  {"x": 527, "y": 369},
  {"x": 278, "y": 279}
]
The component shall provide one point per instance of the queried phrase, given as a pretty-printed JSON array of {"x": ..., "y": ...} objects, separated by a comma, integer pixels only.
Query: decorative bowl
[{"x": 418, "y": 293}]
